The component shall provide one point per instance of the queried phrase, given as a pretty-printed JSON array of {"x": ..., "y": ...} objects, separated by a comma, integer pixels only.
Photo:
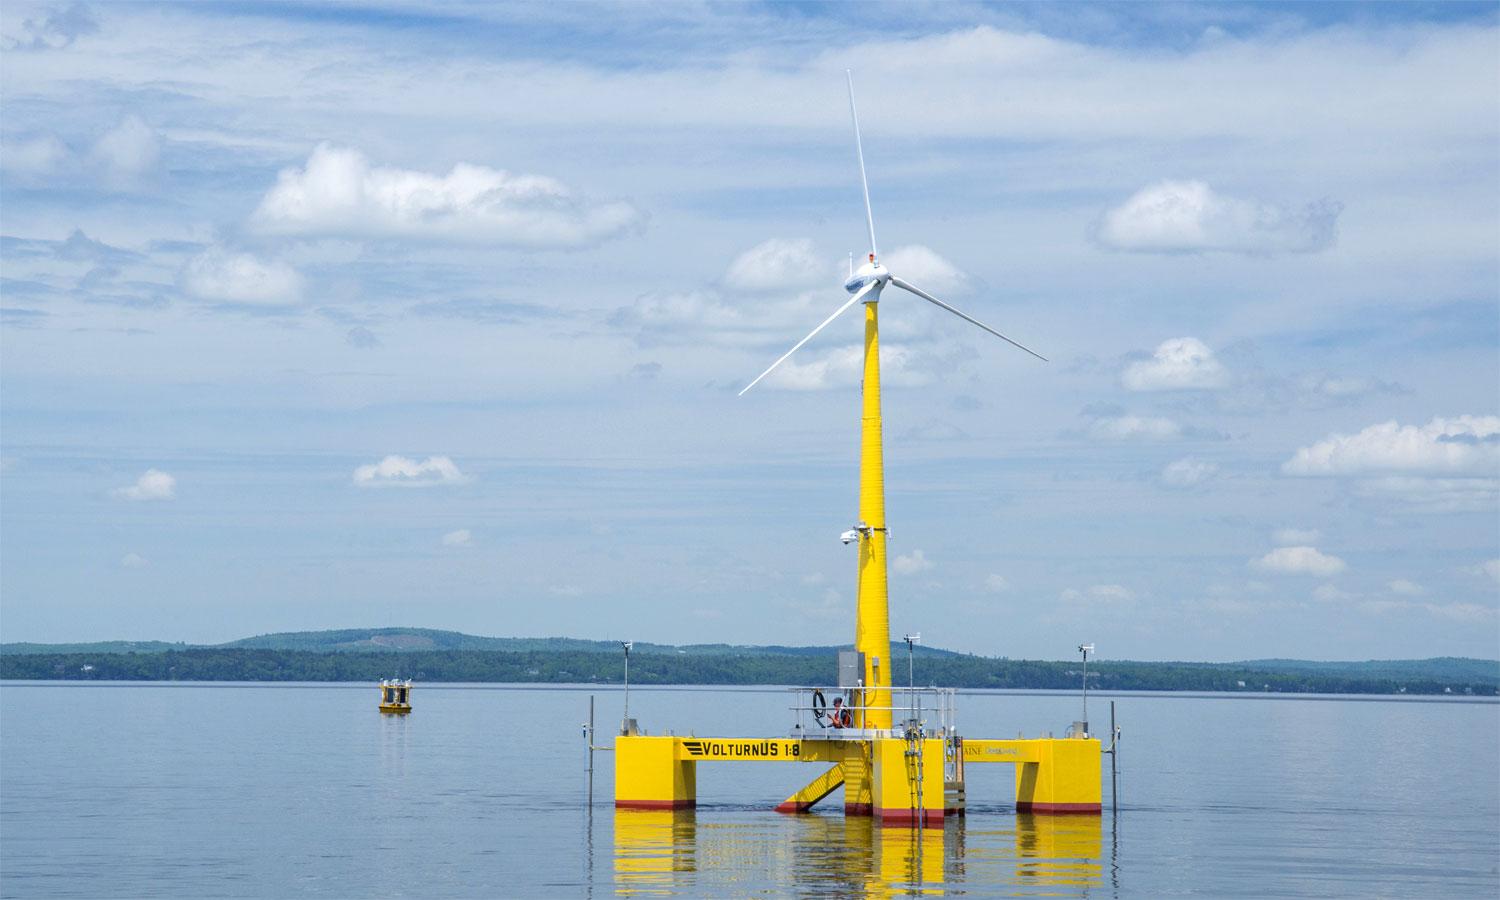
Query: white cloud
[
  {"x": 911, "y": 563},
  {"x": 1300, "y": 561},
  {"x": 133, "y": 561},
  {"x": 688, "y": 314},
  {"x": 1284, "y": 537},
  {"x": 225, "y": 276},
  {"x": 119, "y": 158},
  {"x": 1124, "y": 428},
  {"x": 1237, "y": 89},
  {"x": 127, "y": 151},
  {"x": 1406, "y": 588},
  {"x": 399, "y": 471},
  {"x": 1442, "y": 446},
  {"x": 996, "y": 584},
  {"x": 460, "y": 538},
  {"x": 839, "y": 367},
  {"x": 1333, "y": 388},
  {"x": 829, "y": 606},
  {"x": 778, "y": 264},
  {"x": 154, "y": 484},
  {"x": 338, "y": 192},
  {"x": 1187, "y": 472},
  {"x": 1188, "y": 216},
  {"x": 1330, "y": 594},
  {"x": 1435, "y": 495},
  {"x": 900, "y": 366},
  {"x": 1463, "y": 612},
  {"x": 62, "y": 25},
  {"x": 36, "y": 157},
  {"x": 1469, "y": 613},
  {"x": 793, "y": 287},
  {"x": 1184, "y": 363},
  {"x": 924, "y": 268},
  {"x": 1099, "y": 593},
  {"x": 781, "y": 264}
]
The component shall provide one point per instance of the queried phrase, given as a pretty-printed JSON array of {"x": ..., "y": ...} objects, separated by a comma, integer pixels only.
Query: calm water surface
[{"x": 305, "y": 790}]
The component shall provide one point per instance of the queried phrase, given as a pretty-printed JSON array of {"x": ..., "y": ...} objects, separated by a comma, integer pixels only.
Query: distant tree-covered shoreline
[{"x": 728, "y": 668}]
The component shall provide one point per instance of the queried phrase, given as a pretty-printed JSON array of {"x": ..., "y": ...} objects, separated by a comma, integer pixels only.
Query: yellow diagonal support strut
[
  {"x": 816, "y": 790},
  {"x": 872, "y": 630}
]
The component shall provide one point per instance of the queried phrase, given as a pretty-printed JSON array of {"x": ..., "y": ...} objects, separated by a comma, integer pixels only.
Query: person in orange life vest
[{"x": 839, "y": 716}]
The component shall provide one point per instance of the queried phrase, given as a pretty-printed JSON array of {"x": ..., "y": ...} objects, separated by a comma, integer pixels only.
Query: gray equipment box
[{"x": 851, "y": 669}]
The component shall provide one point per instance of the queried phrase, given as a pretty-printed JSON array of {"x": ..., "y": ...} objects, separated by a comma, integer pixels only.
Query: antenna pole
[
  {"x": 1114, "y": 783},
  {"x": 625, "y": 724},
  {"x": 859, "y": 149},
  {"x": 1085, "y": 692},
  {"x": 911, "y": 683},
  {"x": 1084, "y": 649}
]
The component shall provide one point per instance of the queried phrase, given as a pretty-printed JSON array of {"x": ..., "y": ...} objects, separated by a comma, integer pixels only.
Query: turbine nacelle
[{"x": 871, "y": 271}]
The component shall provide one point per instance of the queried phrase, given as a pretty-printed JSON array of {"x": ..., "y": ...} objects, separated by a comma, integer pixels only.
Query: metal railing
[{"x": 922, "y": 703}]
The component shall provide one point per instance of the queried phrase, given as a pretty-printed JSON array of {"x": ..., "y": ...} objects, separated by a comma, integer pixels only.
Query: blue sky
[{"x": 375, "y": 314}]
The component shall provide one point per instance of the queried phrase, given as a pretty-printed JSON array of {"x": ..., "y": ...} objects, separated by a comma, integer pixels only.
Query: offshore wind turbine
[{"x": 872, "y": 636}]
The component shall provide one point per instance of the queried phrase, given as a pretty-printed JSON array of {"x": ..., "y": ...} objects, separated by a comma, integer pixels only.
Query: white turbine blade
[
  {"x": 967, "y": 318},
  {"x": 836, "y": 313},
  {"x": 859, "y": 148}
]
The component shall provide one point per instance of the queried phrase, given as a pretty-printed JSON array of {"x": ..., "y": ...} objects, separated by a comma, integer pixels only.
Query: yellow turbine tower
[{"x": 872, "y": 631}]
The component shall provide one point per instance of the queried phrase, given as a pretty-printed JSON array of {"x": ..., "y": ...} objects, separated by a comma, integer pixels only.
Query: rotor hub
[{"x": 870, "y": 271}]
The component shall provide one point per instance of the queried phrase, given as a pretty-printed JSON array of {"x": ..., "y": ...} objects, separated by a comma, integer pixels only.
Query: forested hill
[{"x": 425, "y": 655}]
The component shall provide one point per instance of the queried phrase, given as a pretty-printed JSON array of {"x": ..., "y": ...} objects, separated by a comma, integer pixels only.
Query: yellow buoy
[{"x": 395, "y": 697}]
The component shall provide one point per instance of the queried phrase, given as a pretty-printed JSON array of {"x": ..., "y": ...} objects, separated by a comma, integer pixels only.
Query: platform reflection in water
[{"x": 663, "y": 852}]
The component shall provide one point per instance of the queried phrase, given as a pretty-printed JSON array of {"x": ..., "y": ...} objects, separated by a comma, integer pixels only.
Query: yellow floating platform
[{"x": 898, "y": 780}]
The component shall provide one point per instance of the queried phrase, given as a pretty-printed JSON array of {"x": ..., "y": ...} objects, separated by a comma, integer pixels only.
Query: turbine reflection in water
[
  {"x": 847, "y": 856},
  {"x": 670, "y": 853}
]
